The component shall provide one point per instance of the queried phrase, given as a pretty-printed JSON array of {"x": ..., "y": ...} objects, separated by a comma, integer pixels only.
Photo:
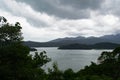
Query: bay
[{"x": 74, "y": 59}]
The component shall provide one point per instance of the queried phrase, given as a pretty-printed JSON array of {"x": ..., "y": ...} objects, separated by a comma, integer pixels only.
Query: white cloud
[{"x": 40, "y": 26}]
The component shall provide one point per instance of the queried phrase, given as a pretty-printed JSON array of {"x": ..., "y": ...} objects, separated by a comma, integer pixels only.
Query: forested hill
[{"x": 103, "y": 45}]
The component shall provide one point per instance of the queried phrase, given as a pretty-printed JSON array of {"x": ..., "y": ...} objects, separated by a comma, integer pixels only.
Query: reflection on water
[{"x": 75, "y": 59}]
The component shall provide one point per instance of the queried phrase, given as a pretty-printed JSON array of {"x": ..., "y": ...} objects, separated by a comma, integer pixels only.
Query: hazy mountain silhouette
[
  {"x": 72, "y": 40},
  {"x": 90, "y": 40}
]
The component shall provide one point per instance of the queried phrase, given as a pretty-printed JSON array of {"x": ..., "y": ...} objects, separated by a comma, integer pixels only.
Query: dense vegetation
[
  {"x": 17, "y": 64},
  {"x": 15, "y": 61}
]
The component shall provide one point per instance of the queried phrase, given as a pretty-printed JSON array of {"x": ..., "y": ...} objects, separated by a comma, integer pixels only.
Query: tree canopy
[{"x": 15, "y": 61}]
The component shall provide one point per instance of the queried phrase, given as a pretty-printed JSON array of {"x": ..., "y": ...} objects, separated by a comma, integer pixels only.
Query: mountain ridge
[{"x": 71, "y": 40}]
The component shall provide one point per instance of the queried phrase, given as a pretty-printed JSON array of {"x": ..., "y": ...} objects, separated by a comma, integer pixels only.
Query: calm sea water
[{"x": 74, "y": 59}]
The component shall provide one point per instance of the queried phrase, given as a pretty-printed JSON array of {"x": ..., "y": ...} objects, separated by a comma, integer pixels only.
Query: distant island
[
  {"x": 102, "y": 45},
  {"x": 33, "y": 49}
]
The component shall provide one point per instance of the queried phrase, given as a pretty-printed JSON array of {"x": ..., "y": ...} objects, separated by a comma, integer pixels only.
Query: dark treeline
[
  {"x": 17, "y": 64},
  {"x": 102, "y": 45}
]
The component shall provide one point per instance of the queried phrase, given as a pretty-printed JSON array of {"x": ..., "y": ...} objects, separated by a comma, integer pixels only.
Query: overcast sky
[{"x": 44, "y": 20}]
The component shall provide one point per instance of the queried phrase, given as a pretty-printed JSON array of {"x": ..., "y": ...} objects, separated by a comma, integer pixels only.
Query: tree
[
  {"x": 109, "y": 67},
  {"x": 10, "y": 33},
  {"x": 113, "y": 56},
  {"x": 111, "y": 63},
  {"x": 15, "y": 61},
  {"x": 69, "y": 74},
  {"x": 55, "y": 73},
  {"x": 3, "y": 20}
]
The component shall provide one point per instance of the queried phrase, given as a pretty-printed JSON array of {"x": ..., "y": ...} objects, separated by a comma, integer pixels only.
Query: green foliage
[
  {"x": 10, "y": 33},
  {"x": 69, "y": 74},
  {"x": 40, "y": 58},
  {"x": 55, "y": 73},
  {"x": 94, "y": 77},
  {"x": 3, "y": 20},
  {"x": 109, "y": 65},
  {"x": 15, "y": 61},
  {"x": 110, "y": 57}
]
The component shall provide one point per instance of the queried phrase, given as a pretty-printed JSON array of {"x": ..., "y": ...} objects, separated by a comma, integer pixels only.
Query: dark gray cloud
[
  {"x": 83, "y": 4},
  {"x": 71, "y": 9},
  {"x": 61, "y": 18}
]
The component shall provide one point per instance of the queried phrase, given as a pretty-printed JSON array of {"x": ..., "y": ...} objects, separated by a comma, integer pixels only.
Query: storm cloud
[
  {"x": 72, "y": 9},
  {"x": 44, "y": 20}
]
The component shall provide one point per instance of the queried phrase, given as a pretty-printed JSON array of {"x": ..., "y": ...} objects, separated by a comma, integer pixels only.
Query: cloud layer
[{"x": 44, "y": 20}]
